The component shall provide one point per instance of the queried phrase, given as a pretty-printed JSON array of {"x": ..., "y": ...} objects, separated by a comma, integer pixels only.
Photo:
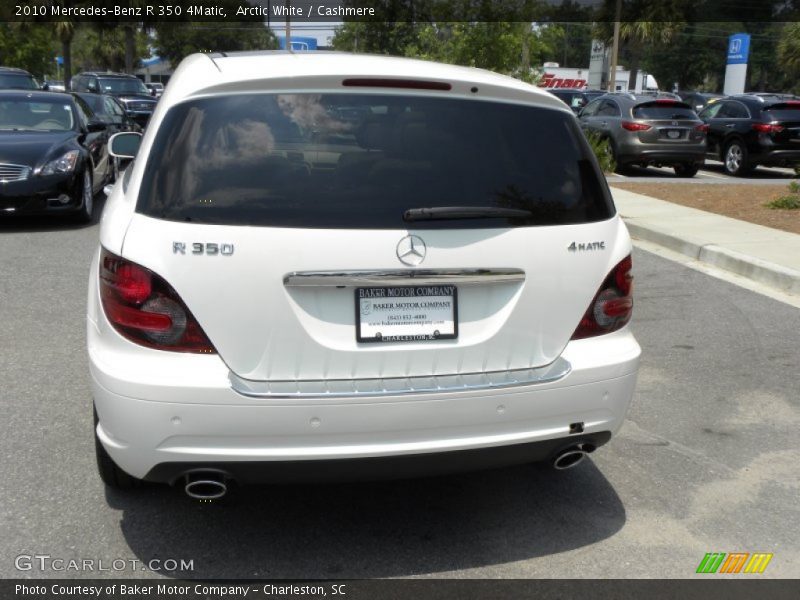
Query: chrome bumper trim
[
  {"x": 396, "y": 386},
  {"x": 401, "y": 276}
]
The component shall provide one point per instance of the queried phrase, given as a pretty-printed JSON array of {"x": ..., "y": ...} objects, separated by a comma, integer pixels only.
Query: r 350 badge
[{"x": 209, "y": 248}]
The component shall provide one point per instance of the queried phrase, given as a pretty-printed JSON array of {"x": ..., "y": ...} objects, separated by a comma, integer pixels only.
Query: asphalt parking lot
[
  {"x": 708, "y": 460},
  {"x": 712, "y": 172}
]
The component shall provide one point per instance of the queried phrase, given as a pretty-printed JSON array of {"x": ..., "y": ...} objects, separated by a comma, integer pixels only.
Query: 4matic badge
[{"x": 576, "y": 247}]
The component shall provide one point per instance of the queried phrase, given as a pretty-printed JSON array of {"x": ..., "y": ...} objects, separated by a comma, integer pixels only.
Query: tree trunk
[
  {"x": 634, "y": 72},
  {"x": 130, "y": 47},
  {"x": 526, "y": 55},
  {"x": 66, "y": 53}
]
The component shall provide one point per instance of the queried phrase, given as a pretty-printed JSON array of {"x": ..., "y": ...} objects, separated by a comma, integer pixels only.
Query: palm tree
[
  {"x": 638, "y": 34},
  {"x": 65, "y": 32}
]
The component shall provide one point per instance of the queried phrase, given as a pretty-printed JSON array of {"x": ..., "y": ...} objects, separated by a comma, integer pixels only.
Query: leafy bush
[
  {"x": 791, "y": 202},
  {"x": 602, "y": 150}
]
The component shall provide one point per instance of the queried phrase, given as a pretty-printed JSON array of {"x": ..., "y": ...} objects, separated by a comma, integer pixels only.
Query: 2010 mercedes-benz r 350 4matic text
[{"x": 327, "y": 266}]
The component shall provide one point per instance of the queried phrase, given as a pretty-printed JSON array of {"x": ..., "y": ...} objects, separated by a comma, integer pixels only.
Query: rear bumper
[
  {"x": 378, "y": 468},
  {"x": 665, "y": 155},
  {"x": 167, "y": 422},
  {"x": 778, "y": 157}
]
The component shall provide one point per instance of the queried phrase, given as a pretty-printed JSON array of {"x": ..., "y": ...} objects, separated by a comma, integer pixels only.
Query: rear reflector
[
  {"x": 412, "y": 84},
  {"x": 631, "y": 126},
  {"x": 145, "y": 309},
  {"x": 612, "y": 306},
  {"x": 768, "y": 127}
]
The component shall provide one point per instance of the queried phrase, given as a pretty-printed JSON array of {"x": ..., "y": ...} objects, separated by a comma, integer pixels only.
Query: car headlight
[{"x": 63, "y": 164}]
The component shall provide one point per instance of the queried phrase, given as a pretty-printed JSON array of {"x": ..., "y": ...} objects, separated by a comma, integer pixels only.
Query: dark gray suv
[
  {"x": 128, "y": 89},
  {"x": 645, "y": 130}
]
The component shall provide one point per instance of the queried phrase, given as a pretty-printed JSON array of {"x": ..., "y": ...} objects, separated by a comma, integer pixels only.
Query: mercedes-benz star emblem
[{"x": 411, "y": 250}]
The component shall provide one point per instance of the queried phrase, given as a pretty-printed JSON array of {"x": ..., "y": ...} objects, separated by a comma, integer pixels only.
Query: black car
[
  {"x": 110, "y": 110},
  {"x": 16, "y": 79},
  {"x": 699, "y": 100},
  {"x": 129, "y": 90},
  {"x": 53, "y": 154},
  {"x": 575, "y": 99},
  {"x": 750, "y": 130}
]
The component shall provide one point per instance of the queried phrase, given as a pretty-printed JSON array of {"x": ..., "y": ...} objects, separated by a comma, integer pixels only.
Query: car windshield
[
  {"x": 123, "y": 85},
  {"x": 17, "y": 81},
  {"x": 26, "y": 114},
  {"x": 362, "y": 160}
]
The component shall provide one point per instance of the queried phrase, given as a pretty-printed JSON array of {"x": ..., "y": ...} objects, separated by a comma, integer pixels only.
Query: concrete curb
[{"x": 767, "y": 273}]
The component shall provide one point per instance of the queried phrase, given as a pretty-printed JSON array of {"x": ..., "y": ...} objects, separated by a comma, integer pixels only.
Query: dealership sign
[{"x": 549, "y": 80}]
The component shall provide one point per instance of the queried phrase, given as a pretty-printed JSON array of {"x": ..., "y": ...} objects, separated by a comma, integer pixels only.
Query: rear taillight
[
  {"x": 768, "y": 127},
  {"x": 703, "y": 128},
  {"x": 631, "y": 126},
  {"x": 146, "y": 310},
  {"x": 612, "y": 306}
]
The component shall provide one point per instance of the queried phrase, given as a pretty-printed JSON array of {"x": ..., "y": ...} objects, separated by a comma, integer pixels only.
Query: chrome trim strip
[
  {"x": 10, "y": 173},
  {"x": 397, "y": 386},
  {"x": 401, "y": 276}
]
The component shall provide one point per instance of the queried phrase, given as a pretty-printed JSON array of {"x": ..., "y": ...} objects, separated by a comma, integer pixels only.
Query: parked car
[
  {"x": 644, "y": 130},
  {"x": 699, "y": 100},
  {"x": 53, "y": 154},
  {"x": 287, "y": 308},
  {"x": 53, "y": 85},
  {"x": 16, "y": 79},
  {"x": 130, "y": 90},
  {"x": 750, "y": 130},
  {"x": 575, "y": 99},
  {"x": 109, "y": 109},
  {"x": 156, "y": 88}
]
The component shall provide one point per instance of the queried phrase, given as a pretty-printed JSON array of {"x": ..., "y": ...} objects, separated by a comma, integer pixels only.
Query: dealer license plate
[{"x": 406, "y": 313}]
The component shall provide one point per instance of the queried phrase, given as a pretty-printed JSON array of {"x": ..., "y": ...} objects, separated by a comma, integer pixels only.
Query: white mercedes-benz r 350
[{"x": 326, "y": 266}]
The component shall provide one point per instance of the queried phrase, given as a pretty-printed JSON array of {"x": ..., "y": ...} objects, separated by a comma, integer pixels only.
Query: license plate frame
[{"x": 391, "y": 295}]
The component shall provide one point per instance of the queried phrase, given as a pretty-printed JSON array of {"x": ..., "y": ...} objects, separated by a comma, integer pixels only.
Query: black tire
[
  {"x": 686, "y": 169},
  {"x": 86, "y": 211},
  {"x": 109, "y": 472},
  {"x": 735, "y": 159},
  {"x": 620, "y": 168}
]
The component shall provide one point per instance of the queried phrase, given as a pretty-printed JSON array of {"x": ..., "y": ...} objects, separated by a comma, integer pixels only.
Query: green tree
[
  {"x": 104, "y": 47},
  {"x": 789, "y": 51},
  {"x": 177, "y": 39},
  {"x": 504, "y": 47},
  {"x": 28, "y": 46}
]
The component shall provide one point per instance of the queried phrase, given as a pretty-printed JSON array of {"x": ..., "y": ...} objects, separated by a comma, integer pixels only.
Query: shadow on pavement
[{"x": 364, "y": 530}]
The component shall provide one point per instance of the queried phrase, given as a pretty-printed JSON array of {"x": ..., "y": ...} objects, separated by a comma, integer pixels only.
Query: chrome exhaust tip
[
  {"x": 569, "y": 458},
  {"x": 205, "y": 486}
]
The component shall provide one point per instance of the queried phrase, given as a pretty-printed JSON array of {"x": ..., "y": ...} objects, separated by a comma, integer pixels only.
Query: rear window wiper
[{"x": 432, "y": 213}]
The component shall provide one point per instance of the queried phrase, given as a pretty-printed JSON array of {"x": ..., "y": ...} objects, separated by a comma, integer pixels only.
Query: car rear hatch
[
  {"x": 670, "y": 122},
  {"x": 354, "y": 236},
  {"x": 782, "y": 124}
]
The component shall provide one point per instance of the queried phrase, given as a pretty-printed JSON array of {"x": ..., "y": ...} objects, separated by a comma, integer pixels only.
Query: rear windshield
[
  {"x": 18, "y": 81},
  {"x": 123, "y": 86},
  {"x": 783, "y": 112},
  {"x": 361, "y": 160},
  {"x": 663, "y": 110}
]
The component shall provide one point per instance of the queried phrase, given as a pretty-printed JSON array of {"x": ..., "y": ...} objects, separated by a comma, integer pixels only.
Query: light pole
[{"x": 612, "y": 80}]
